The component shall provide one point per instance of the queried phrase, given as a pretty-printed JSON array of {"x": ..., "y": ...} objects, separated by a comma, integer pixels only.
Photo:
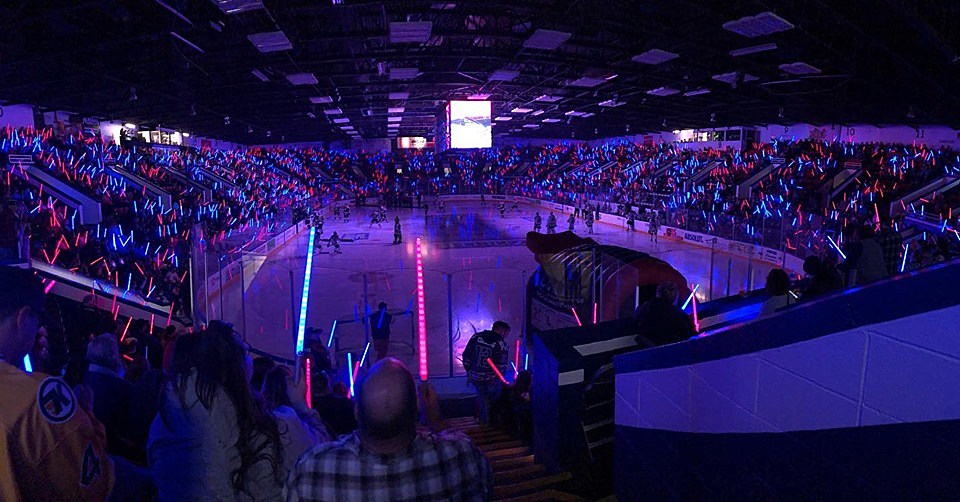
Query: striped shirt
[{"x": 438, "y": 466}]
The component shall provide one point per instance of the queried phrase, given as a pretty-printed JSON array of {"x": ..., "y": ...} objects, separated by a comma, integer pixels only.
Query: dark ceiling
[{"x": 190, "y": 63}]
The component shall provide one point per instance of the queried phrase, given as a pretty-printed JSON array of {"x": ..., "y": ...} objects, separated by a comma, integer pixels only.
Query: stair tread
[
  {"x": 508, "y": 452},
  {"x": 508, "y": 463},
  {"x": 551, "y": 494},
  {"x": 504, "y": 445},
  {"x": 530, "y": 485},
  {"x": 517, "y": 474}
]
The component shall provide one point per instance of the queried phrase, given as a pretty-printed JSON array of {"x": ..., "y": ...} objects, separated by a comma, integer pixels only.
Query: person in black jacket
[
  {"x": 660, "y": 321},
  {"x": 485, "y": 345}
]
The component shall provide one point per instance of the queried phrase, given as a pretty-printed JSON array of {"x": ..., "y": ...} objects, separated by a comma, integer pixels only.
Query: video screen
[{"x": 470, "y": 125}]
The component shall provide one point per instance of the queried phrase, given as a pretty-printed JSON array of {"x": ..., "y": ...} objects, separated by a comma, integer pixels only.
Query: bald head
[{"x": 387, "y": 401}]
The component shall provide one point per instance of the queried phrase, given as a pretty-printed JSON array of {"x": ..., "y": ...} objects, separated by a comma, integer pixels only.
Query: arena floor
[{"x": 480, "y": 254}]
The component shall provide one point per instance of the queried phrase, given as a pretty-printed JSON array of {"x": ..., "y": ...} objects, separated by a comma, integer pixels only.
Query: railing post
[{"x": 450, "y": 323}]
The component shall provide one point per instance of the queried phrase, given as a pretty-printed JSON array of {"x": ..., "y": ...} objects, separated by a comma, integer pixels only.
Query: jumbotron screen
[{"x": 469, "y": 124}]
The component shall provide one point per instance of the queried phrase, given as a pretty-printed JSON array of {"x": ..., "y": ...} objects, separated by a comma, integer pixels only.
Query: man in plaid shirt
[{"x": 386, "y": 459}]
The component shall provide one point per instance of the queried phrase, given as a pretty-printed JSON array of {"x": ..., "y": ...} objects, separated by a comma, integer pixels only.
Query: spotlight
[{"x": 226, "y": 120}]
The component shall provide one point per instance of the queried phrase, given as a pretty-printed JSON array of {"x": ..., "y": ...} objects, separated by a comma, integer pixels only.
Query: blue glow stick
[
  {"x": 695, "y": 288},
  {"x": 332, "y": 331},
  {"x": 835, "y": 246},
  {"x": 526, "y": 361},
  {"x": 306, "y": 293},
  {"x": 903, "y": 265},
  {"x": 350, "y": 371},
  {"x": 364, "y": 357},
  {"x": 380, "y": 322},
  {"x": 27, "y": 365}
]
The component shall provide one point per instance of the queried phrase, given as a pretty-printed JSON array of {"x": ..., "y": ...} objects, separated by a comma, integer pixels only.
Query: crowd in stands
[
  {"x": 800, "y": 199},
  {"x": 182, "y": 414}
]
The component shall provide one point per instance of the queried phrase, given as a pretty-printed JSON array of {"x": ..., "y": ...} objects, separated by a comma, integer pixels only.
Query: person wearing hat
[{"x": 51, "y": 445}]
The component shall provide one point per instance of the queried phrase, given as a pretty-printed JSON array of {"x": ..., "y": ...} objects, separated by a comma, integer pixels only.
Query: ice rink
[{"x": 475, "y": 267}]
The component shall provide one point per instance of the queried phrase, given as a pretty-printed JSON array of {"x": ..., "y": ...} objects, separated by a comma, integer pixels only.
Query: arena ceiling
[{"x": 313, "y": 69}]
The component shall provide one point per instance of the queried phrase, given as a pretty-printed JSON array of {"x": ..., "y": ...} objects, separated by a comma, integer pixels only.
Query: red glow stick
[
  {"x": 309, "y": 389},
  {"x": 125, "y": 328},
  {"x": 421, "y": 314},
  {"x": 496, "y": 370},
  {"x": 575, "y": 316},
  {"x": 516, "y": 357},
  {"x": 594, "y": 312}
]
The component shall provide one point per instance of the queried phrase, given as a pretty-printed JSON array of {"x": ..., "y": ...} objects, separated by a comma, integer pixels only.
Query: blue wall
[{"x": 852, "y": 395}]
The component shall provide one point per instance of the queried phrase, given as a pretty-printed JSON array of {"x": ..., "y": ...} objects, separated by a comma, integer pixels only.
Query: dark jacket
[
  {"x": 661, "y": 322},
  {"x": 483, "y": 345}
]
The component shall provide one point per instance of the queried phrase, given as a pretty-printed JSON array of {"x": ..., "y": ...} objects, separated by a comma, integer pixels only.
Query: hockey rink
[{"x": 475, "y": 268}]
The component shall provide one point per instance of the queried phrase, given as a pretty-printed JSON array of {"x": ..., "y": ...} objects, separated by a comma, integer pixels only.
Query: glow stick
[
  {"x": 151, "y": 323},
  {"x": 364, "y": 357},
  {"x": 350, "y": 371},
  {"x": 906, "y": 250},
  {"x": 693, "y": 292},
  {"x": 696, "y": 320},
  {"x": 594, "y": 312},
  {"x": 125, "y": 328},
  {"x": 305, "y": 295},
  {"x": 27, "y": 365},
  {"x": 516, "y": 372},
  {"x": 421, "y": 314},
  {"x": 332, "y": 331},
  {"x": 575, "y": 316},
  {"x": 517, "y": 356},
  {"x": 49, "y": 286},
  {"x": 309, "y": 389},
  {"x": 835, "y": 246},
  {"x": 526, "y": 361},
  {"x": 496, "y": 370},
  {"x": 636, "y": 298}
]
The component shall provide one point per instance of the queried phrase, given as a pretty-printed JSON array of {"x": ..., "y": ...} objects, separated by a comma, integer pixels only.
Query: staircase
[{"x": 516, "y": 475}]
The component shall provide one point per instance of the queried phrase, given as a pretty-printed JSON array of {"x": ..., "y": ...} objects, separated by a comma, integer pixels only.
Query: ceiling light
[
  {"x": 612, "y": 103},
  {"x": 753, "y": 49},
  {"x": 399, "y": 96},
  {"x": 404, "y": 73},
  {"x": 550, "y": 121},
  {"x": 317, "y": 100},
  {"x": 764, "y": 23},
  {"x": 410, "y": 32},
  {"x": 547, "y": 98},
  {"x": 343, "y": 120},
  {"x": 531, "y": 126},
  {"x": 185, "y": 134},
  {"x": 302, "y": 79},
  {"x": 546, "y": 39},
  {"x": 654, "y": 56},
  {"x": 521, "y": 109},
  {"x": 129, "y": 126},
  {"x": 536, "y": 113},
  {"x": 333, "y": 111},
  {"x": 311, "y": 115},
  {"x": 697, "y": 92},
  {"x": 503, "y": 119},
  {"x": 187, "y": 42},
  {"x": 270, "y": 41},
  {"x": 395, "y": 109},
  {"x": 238, "y": 6},
  {"x": 504, "y": 75},
  {"x": 346, "y": 127},
  {"x": 478, "y": 97},
  {"x": 663, "y": 91},
  {"x": 394, "y": 119},
  {"x": 731, "y": 77},
  {"x": 799, "y": 68},
  {"x": 259, "y": 74}
]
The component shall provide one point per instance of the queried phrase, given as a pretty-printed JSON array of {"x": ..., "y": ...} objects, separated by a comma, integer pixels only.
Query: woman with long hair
[
  {"x": 213, "y": 439},
  {"x": 300, "y": 427}
]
